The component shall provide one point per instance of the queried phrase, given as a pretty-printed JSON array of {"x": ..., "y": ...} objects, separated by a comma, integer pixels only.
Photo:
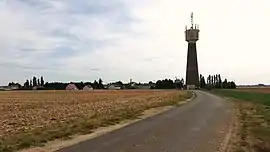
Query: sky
[{"x": 142, "y": 40}]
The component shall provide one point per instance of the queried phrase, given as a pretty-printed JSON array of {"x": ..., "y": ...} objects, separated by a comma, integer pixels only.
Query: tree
[
  {"x": 233, "y": 85},
  {"x": 202, "y": 82},
  {"x": 215, "y": 81},
  {"x": 41, "y": 81},
  {"x": 225, "y": 84},
  {"x": 220, "y": 81},
  {"x": 216, "y": 84},
  {"x": 55, "y": 86},
  {"x": 95, "y": 84},
  {"x": 183, "y": 82},
  {"x": 100, "y": 84},
  {"x": 31, "y": 83},
  {"x": 165, "y": 84},
  {"x": 38, "y": 82},
  {"x": 208, "y": 80},
  {"x": 11, "y": 84},
  {"x": 14, "y": 84},
  {"x": 26, "y": 84},
  {"x": 212, "y": 80},
  {"x": 34, "y": 81},
  {"x": 179, "y": 84}
]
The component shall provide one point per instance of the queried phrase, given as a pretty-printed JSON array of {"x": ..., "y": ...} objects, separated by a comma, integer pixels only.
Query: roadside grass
[
  {"x": 253, "y": 111},
  {"x": 38, "y": 137}
]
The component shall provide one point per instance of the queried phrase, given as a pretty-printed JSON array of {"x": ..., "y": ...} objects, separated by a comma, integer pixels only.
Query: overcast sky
[{"x": 74, "y": 40}]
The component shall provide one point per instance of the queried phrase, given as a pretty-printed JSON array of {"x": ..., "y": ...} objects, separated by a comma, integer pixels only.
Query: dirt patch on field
[{"x": 33, "y": 118}]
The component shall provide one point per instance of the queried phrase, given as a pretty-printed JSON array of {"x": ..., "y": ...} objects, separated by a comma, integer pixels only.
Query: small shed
[
  {"x": 71, "y": 87},
  {"x": 88, "y": 88}
]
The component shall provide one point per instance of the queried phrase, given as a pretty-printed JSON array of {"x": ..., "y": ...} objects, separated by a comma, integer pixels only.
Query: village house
[
  {"x": 114, "y": 87},
  {"x": 8, "y": 88}
]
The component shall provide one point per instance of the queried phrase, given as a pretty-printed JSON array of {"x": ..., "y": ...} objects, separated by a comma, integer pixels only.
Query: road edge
[
  {"x": 228, "y": 137},
  {"x": 224, "y": 147}
]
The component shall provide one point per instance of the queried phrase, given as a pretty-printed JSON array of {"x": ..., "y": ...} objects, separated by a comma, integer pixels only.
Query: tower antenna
[{"x": 192, "y": 20}]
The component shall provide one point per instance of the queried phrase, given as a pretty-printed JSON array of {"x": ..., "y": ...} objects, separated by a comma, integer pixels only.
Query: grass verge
[
  {"x": 38, "y": 137},
  {"x": 253, "y": 114}
]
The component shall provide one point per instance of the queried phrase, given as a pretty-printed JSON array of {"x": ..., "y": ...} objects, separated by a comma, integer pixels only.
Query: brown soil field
[
  {"x": 258, "y": 90},
  {"x": 31, "y": 118}
]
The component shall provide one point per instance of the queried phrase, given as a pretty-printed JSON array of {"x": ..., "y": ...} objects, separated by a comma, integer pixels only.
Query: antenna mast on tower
[{"x": 192, "y": 20}]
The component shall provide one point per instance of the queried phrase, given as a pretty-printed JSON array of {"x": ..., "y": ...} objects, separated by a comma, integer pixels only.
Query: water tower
[{"x": 192, "y": 74}]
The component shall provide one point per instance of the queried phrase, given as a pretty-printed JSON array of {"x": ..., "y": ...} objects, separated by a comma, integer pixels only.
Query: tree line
[
  {"x": 211, "y": 82},
  {"x": 97, "y": 84},
  {"x": 169, "y": 84},
  {"x": 215, "y": 82},
  {"x": 33, "y": 82},
  {"x": 40, "y": 84}
]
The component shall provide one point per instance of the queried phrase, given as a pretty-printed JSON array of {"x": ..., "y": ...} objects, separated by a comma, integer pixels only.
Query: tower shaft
[{"x": 192, "y": 73}]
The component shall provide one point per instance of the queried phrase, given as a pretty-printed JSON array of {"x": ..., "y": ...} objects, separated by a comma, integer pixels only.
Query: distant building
[
  {"x": 4, "y": 88},
  {"x": 9, "y": 88},
  {"x": 14, "y": 87},
  {"x": 144, "y": 87},
  {"x": 141, "y": 86},
  {"x": 88, "y": 88},
  {"x": 38, "y": 88},
  {"x": 71, "y": 87},
  {"x": 114, "y": 87}
]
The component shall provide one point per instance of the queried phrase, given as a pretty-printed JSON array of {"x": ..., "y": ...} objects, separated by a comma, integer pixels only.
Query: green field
[
  {"x": 253, "y": 115},
  {"x": 263, "y": 98}
]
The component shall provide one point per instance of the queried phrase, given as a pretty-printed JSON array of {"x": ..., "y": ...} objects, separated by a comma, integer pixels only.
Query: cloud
[
  {"x": 37, "y": 35},
  {"x": 76, "y": 40}
]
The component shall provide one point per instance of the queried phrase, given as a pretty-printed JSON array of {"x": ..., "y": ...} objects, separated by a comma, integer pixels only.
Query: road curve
[{"x": 200, "y": 126}]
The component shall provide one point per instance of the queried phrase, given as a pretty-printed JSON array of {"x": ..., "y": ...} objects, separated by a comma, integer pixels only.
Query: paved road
[{"x": 197, "y": 126}]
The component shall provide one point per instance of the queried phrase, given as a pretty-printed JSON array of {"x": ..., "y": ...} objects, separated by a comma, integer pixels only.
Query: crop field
[
  {"x": 258, "y": 90},
  {"x": 31, "y": 118}
]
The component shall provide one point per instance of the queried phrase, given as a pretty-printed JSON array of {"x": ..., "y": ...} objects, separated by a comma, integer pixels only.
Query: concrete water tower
[{"x": 192, "y": 74}]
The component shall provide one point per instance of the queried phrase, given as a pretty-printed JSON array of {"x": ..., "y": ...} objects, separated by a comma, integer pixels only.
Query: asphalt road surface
[{"x": 200, "y": 126}]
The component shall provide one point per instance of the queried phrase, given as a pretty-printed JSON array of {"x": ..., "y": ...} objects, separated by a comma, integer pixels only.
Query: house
[
  {"x": 88, "y": 88},
  {"x": 9, "y": 88},
  {"x": 114, "y": 87},
  {"x": 38, "y": 88},
  {"x": 14, "y": 87},
  {"x": 4, "y": 88},
  {"x": 144, "y": 86},
  {"x": 71, "y": 87},
  {"x": 141, "y": 85},
  {"x": 132, "y": 84}
]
